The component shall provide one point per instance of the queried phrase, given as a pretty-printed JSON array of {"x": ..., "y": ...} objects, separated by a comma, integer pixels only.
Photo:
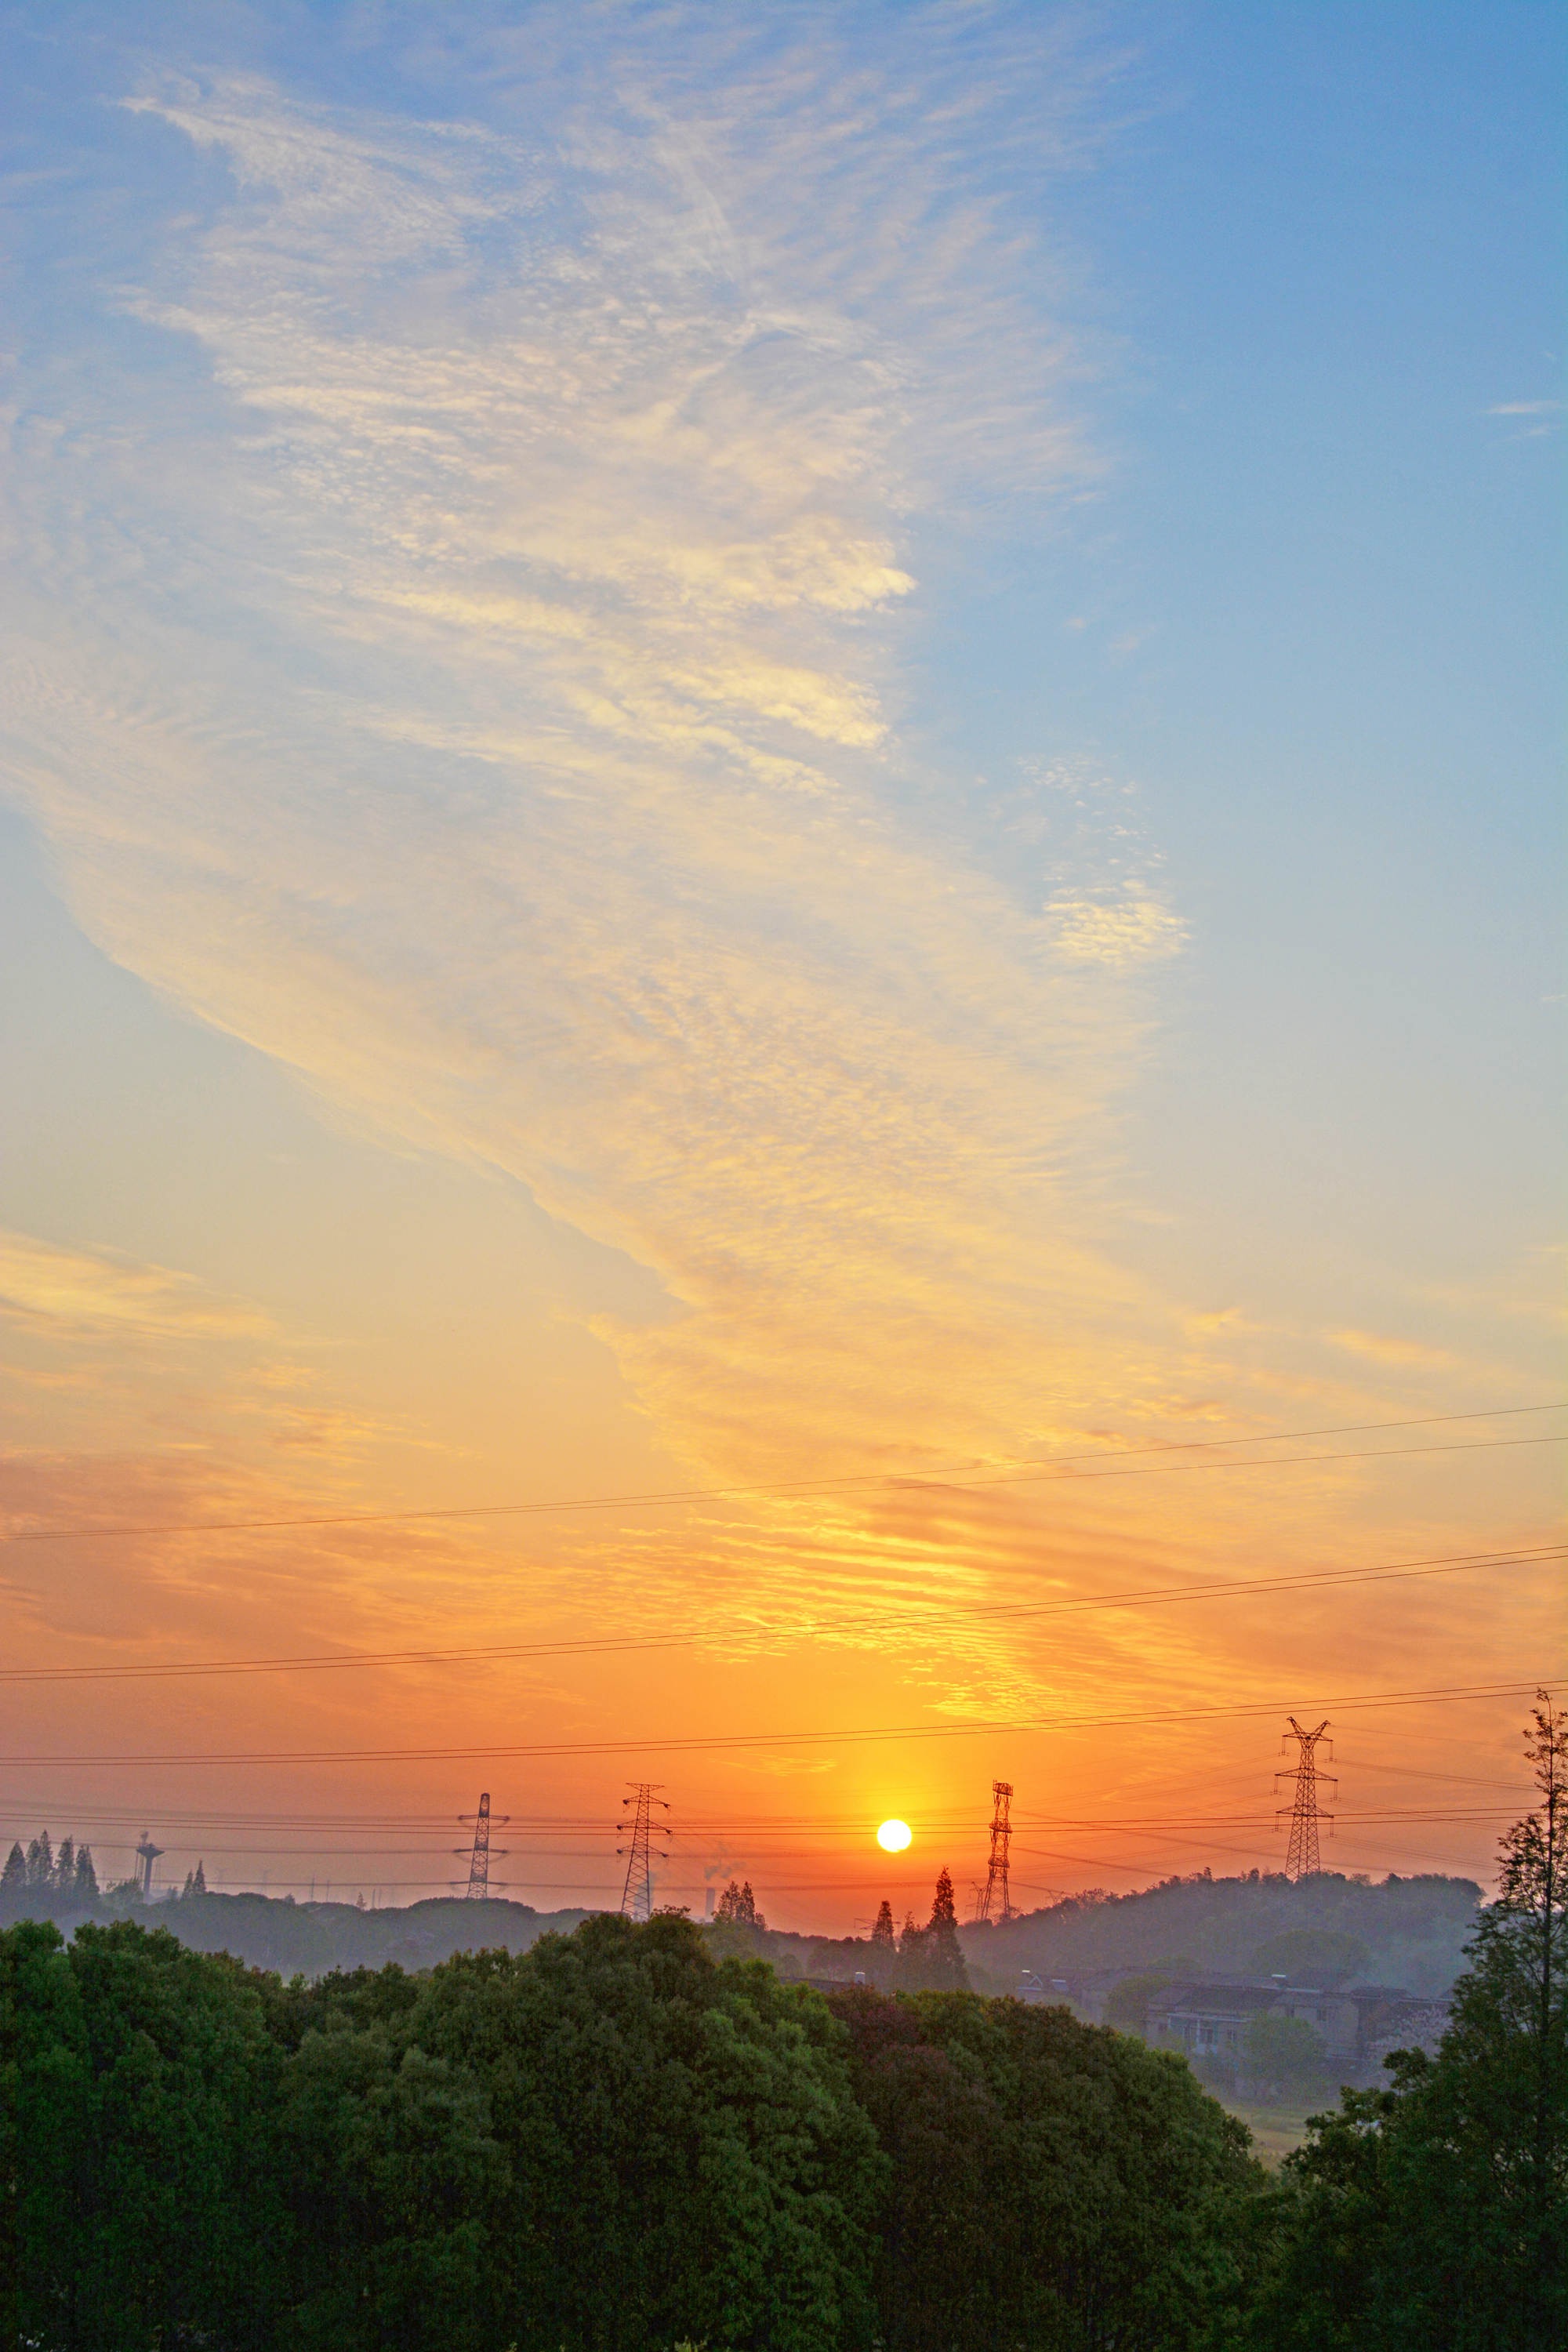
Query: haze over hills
[{"x": 1405, "y": 1932}]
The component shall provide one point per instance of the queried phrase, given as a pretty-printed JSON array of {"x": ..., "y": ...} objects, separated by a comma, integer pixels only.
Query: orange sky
[{"x": 539, "y": 976}]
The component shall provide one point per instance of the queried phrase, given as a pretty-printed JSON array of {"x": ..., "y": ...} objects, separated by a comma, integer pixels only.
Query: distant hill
[
  {"x": 310, "y": 1938},
  {"x": 1405, "y": 1932},
  {"x": 1395, "y": 1931}
]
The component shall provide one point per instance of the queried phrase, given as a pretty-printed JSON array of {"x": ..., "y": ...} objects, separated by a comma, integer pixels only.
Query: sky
[{"x": 770, "y": 777}]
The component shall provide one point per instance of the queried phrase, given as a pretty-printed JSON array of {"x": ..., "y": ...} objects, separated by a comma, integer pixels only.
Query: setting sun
[{"x": 894, "y": 1836}]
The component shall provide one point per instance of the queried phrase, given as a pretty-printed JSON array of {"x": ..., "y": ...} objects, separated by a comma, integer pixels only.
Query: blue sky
[{"x": 765, "y": 745}]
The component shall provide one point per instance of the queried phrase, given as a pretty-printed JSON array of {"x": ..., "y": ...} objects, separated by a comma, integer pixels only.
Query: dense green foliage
[
  {"x": 615, "y": 2140},
  {"x": 1052, "y": 2184},
  {"x": 1433, "y": 2217}
]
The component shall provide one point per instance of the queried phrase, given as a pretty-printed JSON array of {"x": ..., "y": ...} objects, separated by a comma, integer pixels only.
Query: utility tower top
[
  {"x": 996, "y": 1901},
  {"x": 479, "y": 1854},
  {"x": 637, "y": 1895},
  {"x": 1301, "y": 1855}
]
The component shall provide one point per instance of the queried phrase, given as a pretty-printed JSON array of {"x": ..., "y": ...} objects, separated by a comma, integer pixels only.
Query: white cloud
[
  {"x": 1131, "y": 928},
  {"x": 501, "y": 736}
]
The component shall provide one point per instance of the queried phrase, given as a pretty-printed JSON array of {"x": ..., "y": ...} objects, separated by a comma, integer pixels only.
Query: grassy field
[{"x": 1276, "y": 2130}]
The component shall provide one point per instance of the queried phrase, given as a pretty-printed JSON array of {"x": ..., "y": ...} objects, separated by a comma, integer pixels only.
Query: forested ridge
[{"x": 628, "y": 2138}]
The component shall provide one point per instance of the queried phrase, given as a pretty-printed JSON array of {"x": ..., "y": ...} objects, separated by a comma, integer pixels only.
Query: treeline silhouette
[
  {"x": 68, "y": 1875},
  {"x": 628, "y": 2138}
]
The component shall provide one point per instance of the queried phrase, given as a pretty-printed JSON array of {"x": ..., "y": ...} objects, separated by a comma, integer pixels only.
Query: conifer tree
[
  {"x": 40, "y": 1860},
  {"x": 86, "y": 1875},
  {"x": 16, "y": 1871},
  {"x": 944, "y": 1955},
  {"x": 64, "y": 1873},
  {"x": 882, "y": 1933}
]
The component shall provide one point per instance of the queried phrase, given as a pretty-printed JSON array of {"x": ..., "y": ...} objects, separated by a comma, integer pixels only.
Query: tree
[
  {"x": 944, "y": 1955},
  {"x": 40, "y": 1862},
  {"x": 1127, "y": 2003},
  {"x": 1433, "y": 2217},
  {"x": 1314, "y": 1955},
  {"x": 737, "y": 1908},
  {"x": 147, "y": 2208},
  {"x": 1284, "y": 2056},
  {"x": 882, "y": 1929},
  {"x": 685, "y": 2156},
  {"x": 86, "y": 1875},
  {"x": 14, "y": 1874},
  {"x": 1056, "y": 2187},
  {"x": 63, "y": 1877}
]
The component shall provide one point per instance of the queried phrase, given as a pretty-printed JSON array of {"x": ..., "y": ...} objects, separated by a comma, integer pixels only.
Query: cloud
[
  {"x": 1133, "y": 928},
  {"x": 67, "y": 1293},
  {"x": 506, "y": 735}
]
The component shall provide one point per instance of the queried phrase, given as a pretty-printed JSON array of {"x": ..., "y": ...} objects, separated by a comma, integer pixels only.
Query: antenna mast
[
  {"x": 996, "y": 1903},
  {"x": 1301, "y": 1856},
  {"x": 637, "y": 1895}
]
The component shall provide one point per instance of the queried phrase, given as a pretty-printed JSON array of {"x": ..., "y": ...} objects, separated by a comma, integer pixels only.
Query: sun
[{"x": 894, "y": 1836}]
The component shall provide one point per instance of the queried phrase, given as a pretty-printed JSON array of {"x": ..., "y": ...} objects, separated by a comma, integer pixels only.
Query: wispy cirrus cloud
[
  {"x": 67, "y": 1293},
  {"x": 511, "y": 744}
]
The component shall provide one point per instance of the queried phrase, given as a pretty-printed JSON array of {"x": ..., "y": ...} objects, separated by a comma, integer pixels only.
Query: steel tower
[
  {"x": 996, "y": 1903},
  {"x": 1302, "y": 1855},
  {"x": 637, "y": 1895},
  {"x": 478, "y": 1855}
]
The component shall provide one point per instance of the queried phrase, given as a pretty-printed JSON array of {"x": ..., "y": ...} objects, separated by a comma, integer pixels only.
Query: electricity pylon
[
  {"x": 478, "y": 1887},
  {"x": 996, "y": 1902},
  {"x": 637, "y": 1895},
  {"x": 1301, "y": 1856}
]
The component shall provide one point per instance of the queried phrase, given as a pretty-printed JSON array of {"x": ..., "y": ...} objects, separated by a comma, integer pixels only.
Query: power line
[
  {"x": 736, "y": 1741},
  {"x": 1446, "y": 1564},
  {"x": 969, "y": 1474}
]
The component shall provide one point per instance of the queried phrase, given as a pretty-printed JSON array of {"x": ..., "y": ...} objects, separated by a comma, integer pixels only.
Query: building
[{"x": 1207, "y": 2020}]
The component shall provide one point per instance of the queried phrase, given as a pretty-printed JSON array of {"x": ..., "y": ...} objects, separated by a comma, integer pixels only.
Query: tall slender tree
[{"x": 944, "y": 1953}]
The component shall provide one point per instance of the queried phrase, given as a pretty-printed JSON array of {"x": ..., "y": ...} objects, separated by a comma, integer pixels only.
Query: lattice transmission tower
[
  {"x": 637, "y": 1895},
  {"x": 1302, "y": 1855},
  {"x": 479, "y": 1854},
  {"x": 996, "y": 1902}
]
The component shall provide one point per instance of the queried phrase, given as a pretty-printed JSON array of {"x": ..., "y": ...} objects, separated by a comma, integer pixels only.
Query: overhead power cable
[
  {"x": 965, "y": 1476},
  {"x": 910, "y": 1621},
  {"x": 732, "y": 1742}
]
